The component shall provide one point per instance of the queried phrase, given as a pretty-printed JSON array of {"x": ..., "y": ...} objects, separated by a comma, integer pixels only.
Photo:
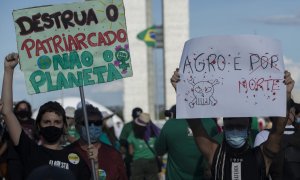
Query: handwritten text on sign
[
  {"x": 72, "y": 45},
  {"x": 231, "y": 76}
]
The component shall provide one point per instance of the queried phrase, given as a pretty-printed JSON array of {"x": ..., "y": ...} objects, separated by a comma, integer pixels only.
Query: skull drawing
[{"x": 203, "y": 93}]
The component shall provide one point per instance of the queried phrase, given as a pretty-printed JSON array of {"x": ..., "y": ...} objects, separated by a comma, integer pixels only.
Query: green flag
[{"x": 148, "y": 36}]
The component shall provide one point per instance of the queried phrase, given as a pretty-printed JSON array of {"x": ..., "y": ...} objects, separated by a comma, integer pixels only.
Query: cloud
[{"x": 291, "y": 20}]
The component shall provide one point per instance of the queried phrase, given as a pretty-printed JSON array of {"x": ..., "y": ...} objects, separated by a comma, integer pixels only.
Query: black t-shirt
[
  {"x": 245, "y": 163},
  {"x": 33, "y": 156}
]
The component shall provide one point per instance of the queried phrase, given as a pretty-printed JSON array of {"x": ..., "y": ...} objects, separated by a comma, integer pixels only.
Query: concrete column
[
  {"x": 137, "y": 89},
  {"x": 176, "y": 32}
]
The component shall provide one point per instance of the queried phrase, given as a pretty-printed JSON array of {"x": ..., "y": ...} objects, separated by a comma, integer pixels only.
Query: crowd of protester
[{"x": 55, "y": 145}]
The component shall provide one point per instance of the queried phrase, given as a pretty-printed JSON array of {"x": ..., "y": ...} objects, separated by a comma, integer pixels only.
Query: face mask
[
  {"x": 236, "y": 138},
  {"x": 95, "y": 132},
  {"x": 23, "y": 114},
  {"x": 51, "y": 133}
]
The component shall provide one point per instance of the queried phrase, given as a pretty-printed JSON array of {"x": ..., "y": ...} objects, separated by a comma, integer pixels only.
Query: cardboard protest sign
[
  {"x": 72, "y": 45},
  {"x": 231, "y": 76}
]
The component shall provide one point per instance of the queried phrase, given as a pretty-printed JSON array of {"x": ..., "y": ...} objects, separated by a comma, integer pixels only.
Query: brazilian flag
[{"x": 148, "y": 36}]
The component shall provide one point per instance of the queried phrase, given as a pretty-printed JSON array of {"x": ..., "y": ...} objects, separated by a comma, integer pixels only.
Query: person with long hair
[{"x": 50, "y": 124}]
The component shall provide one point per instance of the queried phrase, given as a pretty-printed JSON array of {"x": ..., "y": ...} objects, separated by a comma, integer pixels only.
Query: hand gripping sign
[{"x": 231, "y": 76}]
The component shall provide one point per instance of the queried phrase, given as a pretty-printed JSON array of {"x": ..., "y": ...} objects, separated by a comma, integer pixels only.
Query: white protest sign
[{"x": 231, "y": 76}]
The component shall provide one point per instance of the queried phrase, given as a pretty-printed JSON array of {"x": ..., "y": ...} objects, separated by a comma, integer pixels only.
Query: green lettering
[
  {"x": 62, "y": 61},
  {"x": 74, "y": 60},
  {"x": 87, "y": 77},
  {"x": 87, "y": 58},
  {"x": 113, "y": 73},
  {"x": 49, "y": 82},
  {"x": 75, "y": 81},
  {"x": 62, "y": 82},
  {"x": 98, "y": 71},
  {"x": 37, "y": 79},
  {"x": 108, "y": 55}
]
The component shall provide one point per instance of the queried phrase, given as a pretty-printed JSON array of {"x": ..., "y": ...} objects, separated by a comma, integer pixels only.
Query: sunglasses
[{"x": 96, "y": 123}]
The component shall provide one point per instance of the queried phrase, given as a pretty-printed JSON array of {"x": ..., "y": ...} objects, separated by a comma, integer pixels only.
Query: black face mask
[
  {"x": 51, "y": 133},
  {"x": 23, "y": 114}
]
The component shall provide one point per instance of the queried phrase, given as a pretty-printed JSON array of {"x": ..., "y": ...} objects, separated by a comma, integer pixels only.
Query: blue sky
[{"x": 272, "y": 18}]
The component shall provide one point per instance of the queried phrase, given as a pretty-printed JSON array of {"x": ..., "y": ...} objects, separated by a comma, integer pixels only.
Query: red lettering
[
  {"x": 40, "y": 47},
  {"x": 80, "y": 38},
  {"x": 28, "y": 48},
  {"x": 121, "y": 35},
  {"x": 72, "y": 43},
  {"x": 259, "y": 83},
  {"x": 252, "y": 84},
  {"x": 101, "y": 39},
  {"x": 56, "y": 44},
  {"x": 108, "y": 37},
  {"x": 92, "y": 44},
  {"x": 47, "y": 41}
]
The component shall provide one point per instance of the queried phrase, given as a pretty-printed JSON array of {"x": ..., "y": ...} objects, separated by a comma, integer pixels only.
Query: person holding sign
[
  {"x": 108, "y": 161},
  {"x": 50, "y": 123},
  {"x": 234, "y": 158}
]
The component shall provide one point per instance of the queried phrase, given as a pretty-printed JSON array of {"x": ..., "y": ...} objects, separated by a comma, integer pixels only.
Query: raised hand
[
  {"x": 175, "y": 78},
  {"x": 289, "y": 82},
  {"x": 11, "y": 60}
]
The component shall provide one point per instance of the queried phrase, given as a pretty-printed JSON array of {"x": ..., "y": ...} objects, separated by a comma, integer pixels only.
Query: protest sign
[
  {"x": 72, "y": 45},
  {"x": 231, "y": 76}
]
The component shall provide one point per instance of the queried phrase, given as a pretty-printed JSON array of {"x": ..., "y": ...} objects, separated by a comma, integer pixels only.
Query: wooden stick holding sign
[
  {"x": 231, "y": 76},
  {"x": 86, "y": 124}
]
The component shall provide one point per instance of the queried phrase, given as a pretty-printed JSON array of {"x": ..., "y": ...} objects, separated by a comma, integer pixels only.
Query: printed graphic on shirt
[
  {"x": 59, "y": 164},
  {"x": 101, "y": 174},
  {"x": 73, "y": 158},
  {"x": 189, "y": 132},
  {"x": 236, "y": 172}
]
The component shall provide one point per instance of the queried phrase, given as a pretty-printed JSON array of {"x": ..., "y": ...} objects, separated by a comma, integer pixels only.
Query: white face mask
[
  {"x": 109, "y": 123},
  {"x": 236, "y": 138}
]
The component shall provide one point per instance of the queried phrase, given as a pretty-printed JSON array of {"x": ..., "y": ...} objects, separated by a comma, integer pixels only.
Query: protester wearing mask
[
  {"x": 141, "y": 147},
  {"x": 23, "y": 112},
  {"x": 50, "y": 124},
  {"x": 105, "y": 157},
  {"x": 234, "y": 158},
  {"x": 127, "y": 129}
]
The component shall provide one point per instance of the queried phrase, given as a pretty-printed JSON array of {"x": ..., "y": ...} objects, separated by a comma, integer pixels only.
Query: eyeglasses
[{"x": 96, "y": 123}]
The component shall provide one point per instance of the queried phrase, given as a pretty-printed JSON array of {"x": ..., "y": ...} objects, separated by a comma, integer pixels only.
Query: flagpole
[{"x": 83, "y": 105}]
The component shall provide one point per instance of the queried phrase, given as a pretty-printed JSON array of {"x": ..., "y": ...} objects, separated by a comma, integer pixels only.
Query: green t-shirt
[
  {"x": 141, "y": 149},
  {"x": 184, "y": 158},
  {"x": 127, "y": 129}
]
